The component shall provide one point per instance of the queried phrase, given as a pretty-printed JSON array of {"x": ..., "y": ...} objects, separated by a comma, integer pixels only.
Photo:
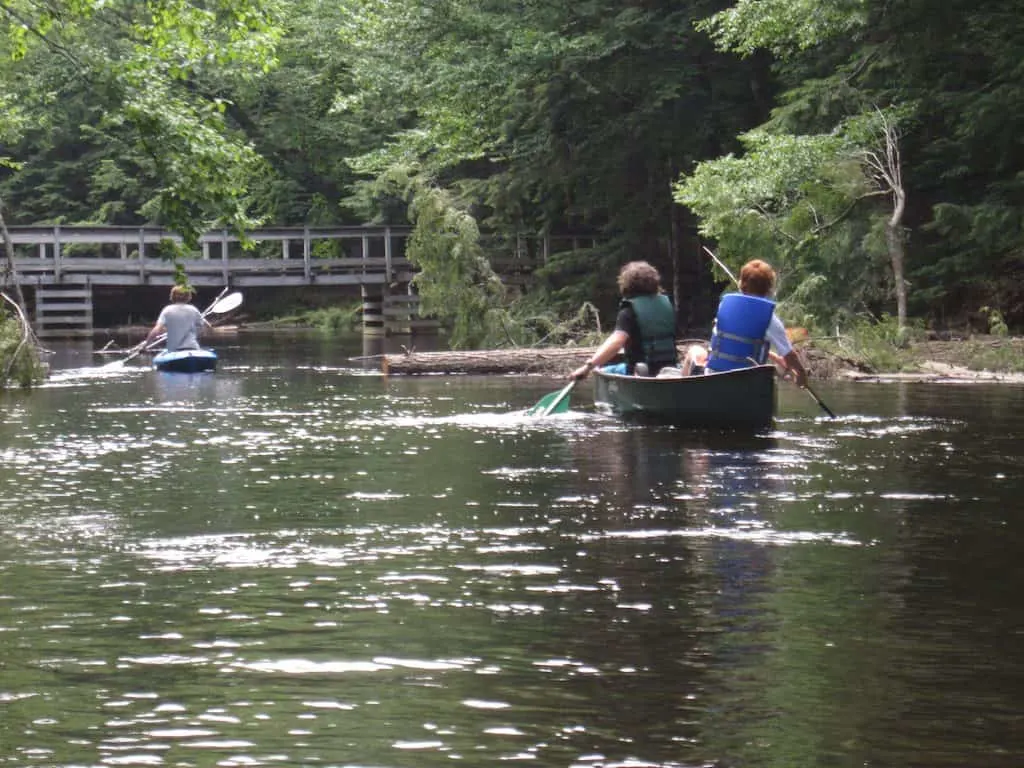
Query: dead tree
[{"x": 883, "y": 168}]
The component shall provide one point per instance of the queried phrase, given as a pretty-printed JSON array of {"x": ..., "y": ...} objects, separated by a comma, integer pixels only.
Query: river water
[{"x": 295, "y": 562}]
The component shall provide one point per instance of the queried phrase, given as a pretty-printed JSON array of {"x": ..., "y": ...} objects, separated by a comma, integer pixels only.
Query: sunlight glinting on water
[{"x": 231, "y": 572}]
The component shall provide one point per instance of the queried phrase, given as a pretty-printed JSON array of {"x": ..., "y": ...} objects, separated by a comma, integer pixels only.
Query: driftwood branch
[
  {"x": 26, "y": 333},
  {"x": 10, "y": 280}
]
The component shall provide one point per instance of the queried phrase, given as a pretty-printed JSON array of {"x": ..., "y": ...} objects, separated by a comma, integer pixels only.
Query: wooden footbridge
[{"x": 62, "y": 264}]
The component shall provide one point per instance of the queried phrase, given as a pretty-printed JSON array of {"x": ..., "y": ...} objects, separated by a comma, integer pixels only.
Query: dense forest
[{"x": 872, "y": 150}]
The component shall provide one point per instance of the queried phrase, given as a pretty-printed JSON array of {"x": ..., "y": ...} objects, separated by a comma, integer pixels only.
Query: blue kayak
[{"x": 186, "y": 361}]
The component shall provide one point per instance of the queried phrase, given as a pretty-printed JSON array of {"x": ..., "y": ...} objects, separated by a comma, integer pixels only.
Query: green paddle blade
[
  {"x": 543, "y": 403},
  {"x": 553, "y": 402}
]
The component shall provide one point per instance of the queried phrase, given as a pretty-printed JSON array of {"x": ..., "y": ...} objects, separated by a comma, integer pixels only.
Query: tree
[
  {"x": 879, "y": 156},
  {"x": 955, "y": 71},
  {"x": 549, "y": 117},
  {"x": 787, "y": 196},
  {"x": 142, "y": 61}
]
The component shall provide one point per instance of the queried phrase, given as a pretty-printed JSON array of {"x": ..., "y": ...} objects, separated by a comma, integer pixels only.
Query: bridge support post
[
  {"x": 63, "y": 311},
  {"x": 373, "y": 309},
  {"x": 393, "y": 313}
]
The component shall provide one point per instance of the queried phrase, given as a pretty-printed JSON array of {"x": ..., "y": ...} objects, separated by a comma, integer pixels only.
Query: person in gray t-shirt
[{"x": 181, "y": 321}]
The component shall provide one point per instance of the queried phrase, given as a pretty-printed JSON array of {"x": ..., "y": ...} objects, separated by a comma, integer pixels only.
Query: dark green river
[{"x": 297, "y": 562}]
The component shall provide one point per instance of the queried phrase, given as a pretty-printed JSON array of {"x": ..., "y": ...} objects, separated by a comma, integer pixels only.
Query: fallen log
[{"x": 547, "y": 360}]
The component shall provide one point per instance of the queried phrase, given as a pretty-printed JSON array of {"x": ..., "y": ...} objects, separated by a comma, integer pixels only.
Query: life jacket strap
[
  {"x": 734, "y": 358},
  {"x": 757, "y": 344}
]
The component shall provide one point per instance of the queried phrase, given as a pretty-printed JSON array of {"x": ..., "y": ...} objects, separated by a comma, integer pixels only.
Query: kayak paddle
[{"x": 228, "y": 303}]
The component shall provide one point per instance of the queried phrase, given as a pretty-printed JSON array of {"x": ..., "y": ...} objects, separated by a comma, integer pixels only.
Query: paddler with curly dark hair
[{"x": 645, "y": 328}]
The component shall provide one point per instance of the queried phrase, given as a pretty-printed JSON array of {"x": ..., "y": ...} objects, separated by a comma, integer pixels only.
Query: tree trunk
[
  {"x": 894, "y": 243},
  {"x": 10, "y": 277},
  {"x": 557, "y": 361},
  {"x": 673, "y": 250}
]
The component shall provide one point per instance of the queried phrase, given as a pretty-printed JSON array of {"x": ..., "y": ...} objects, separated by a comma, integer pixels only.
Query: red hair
[{"x": 757, "y": 278}]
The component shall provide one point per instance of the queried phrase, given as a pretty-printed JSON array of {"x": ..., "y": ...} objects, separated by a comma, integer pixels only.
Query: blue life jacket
[
  {"x": 737, "y": 340},
  {"x": 657, "y": 321}
]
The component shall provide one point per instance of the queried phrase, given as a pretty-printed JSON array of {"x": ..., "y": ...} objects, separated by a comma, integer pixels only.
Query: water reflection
[{"x": 191, "y": 388}]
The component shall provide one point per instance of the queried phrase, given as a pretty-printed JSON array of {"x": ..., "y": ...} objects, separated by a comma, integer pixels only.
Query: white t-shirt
[
  {"x": 182, "y": 322},
  {"x": 776, "y": 335}
]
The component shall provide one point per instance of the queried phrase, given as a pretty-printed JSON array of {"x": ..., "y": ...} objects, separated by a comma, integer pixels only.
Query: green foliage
[
  {"x": 337, "y": 319},
  {"x": 956, "y": 71},
  {"x": 537, "y": 117},
  {"x": 144, "y": 63},
  {"x": 1003, "y": 357},
  {"x": 782, "y": 187},
  {"x": 784, "y": 26},
  {"x": 329, "y": 320},
  {"x": 19, "y": 359},
  {"x": 456, "y": 283},
  {"x": 996, "y": 323},
  {"x": 877, "y": 344},
  {"x": 542, "y": 117}
]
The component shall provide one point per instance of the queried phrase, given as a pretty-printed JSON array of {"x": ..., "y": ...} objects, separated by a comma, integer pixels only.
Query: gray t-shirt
[{"x": 183, "y": 322}]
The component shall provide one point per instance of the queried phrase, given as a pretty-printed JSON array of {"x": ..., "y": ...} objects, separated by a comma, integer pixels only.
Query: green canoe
[{"x": 739, "y": 399}]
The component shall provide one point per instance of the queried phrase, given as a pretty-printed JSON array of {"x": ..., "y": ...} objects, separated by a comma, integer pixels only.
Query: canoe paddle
[
  {"x": 553, "y": 402},
  {"x": 819, "y": 401},
  {"x": 810, "y": 391}
]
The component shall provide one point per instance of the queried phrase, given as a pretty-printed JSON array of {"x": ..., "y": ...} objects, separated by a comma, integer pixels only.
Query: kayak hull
[
  {"x": 186, "y": 361},
  {"x": 742, "y": 399}
]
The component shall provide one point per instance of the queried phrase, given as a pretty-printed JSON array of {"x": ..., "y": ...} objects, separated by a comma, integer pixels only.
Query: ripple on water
[{"x": 361, "y": 576}]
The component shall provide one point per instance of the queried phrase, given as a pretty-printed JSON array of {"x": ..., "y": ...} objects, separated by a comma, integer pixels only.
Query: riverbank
[{"x": 974, "y": 358}]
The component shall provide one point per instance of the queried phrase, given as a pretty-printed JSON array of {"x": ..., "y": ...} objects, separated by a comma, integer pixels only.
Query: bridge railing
[
  {"x": 379, "y": 256},
  {"x": 371, "y": 254}
]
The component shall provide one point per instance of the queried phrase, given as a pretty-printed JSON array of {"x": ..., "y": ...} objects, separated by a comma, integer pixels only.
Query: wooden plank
[
  {"x": 64, "y": 306},
  {"x": 63, "y": 319},
  {"x": 63, "y": 333},
  {"x": 47, "y": 293}
]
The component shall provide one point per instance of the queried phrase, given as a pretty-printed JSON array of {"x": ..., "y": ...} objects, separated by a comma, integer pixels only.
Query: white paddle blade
[{"x": 228, "y": 303}]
